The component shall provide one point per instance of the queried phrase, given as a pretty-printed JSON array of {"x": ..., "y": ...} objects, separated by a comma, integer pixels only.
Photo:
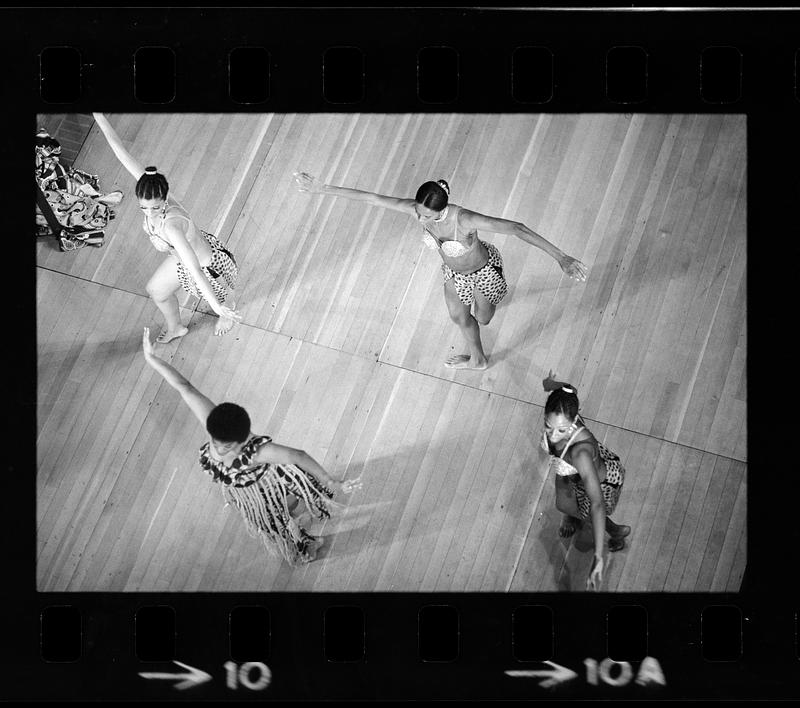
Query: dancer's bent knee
[
  {"x": 158, "y": 295},
  {"x": 461, "y": 319}
]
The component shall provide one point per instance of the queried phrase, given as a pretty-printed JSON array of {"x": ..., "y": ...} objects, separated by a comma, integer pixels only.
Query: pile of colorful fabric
[{"x": 74, "y": 196}]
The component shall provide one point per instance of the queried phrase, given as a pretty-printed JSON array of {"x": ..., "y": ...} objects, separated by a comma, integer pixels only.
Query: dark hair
[
  {"x": 228, "y": 422},
  {"x": 563, "y": 400},
  {"x": 152, "y": 185},
  {"x": 433, "y": 195}
]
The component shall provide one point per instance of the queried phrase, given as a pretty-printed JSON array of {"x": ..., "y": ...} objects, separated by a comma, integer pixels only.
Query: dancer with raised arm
[
  {"x": 264, "y": 481},
  {"x": 196, "y": 261},
  {"x": 588, "y": 475},
  {"x": 474, "y": 283}
]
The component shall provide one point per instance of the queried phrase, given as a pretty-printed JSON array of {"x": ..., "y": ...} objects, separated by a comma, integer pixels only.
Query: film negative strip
[{"x": 447, "y": 578}]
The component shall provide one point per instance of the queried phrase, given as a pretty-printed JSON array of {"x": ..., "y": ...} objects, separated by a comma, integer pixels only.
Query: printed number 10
[{"x": 263, "y": 675}]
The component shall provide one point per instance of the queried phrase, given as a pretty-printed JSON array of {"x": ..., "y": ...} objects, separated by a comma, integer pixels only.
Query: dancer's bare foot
[
  {"x": 617, "y": 530},
  {"x": 569, "y": 525},
  {"x": 616, "y": 544},
  {"x": 464, "y": 361},
  {"x": 167, "y": 335},
  {"x": 313, "y": 547},
  {"x": 223, "y": 325}
]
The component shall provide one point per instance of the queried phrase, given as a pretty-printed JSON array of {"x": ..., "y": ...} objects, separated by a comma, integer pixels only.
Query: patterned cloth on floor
[{"x": 74, "y": 195}]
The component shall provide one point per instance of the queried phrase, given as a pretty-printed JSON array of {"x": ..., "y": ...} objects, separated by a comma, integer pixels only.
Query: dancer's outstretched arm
[
  {"x": 129, "y": 162},
  {"x": 474, "y": 220},
  {"x": 177, "y": 239},
  {"x": 308, "y": 183},
  {"x": 582, "y": 460},
  {"x": 283, "y": 455},
  {"x": 197, "y": 402}
]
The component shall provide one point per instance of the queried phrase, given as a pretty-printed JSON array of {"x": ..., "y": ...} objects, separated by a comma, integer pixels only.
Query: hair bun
[
  {"x": 444, "y": 186},
  {"x": 151, "y": 170}
]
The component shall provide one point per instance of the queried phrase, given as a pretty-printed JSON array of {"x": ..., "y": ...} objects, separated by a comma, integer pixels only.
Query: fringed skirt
[{"x": 264, "y": 506}]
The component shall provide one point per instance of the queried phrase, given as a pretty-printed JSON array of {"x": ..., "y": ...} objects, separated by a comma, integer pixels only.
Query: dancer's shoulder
[
  {"x": 584, "y": 444},
  {"x": 258, "y": 441},
  {"x": 176, "y": 211}
]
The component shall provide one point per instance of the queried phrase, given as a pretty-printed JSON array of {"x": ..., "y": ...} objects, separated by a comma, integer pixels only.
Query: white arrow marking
[
  {"x": 558, "y": 674},
  {"x": 194, "y": 678}
]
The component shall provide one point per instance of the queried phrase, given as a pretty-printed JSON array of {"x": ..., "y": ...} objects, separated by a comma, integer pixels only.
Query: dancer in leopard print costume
[
  {"x": 474, "y": 283},
  {"x": 196, "y": 261},
  {"x": 588, "y": 476}
]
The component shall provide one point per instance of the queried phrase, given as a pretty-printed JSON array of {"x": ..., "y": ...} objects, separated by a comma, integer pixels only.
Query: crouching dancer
[{"x": 588, "y": 475}]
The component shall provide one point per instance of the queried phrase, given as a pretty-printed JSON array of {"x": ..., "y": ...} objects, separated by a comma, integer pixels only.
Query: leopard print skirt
[
  {"x": 489, "y": 280},
  {"x": 222, "y": 272},
  {"x": 610, "y": 487}
]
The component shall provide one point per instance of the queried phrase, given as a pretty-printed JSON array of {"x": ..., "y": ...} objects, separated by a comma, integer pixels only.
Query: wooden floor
[{"x": 341, "y": 349}]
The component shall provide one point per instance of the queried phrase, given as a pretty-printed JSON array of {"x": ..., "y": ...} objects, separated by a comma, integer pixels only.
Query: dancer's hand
[
  {"x": 350, "y": 485},
  {"x": 573, "y": 267},
  {"x": 147, "y": 345},
  {"x": 307, "y": 183},
  {"x": 225, "y": 311},
  {"x": 596, "y": 575}
]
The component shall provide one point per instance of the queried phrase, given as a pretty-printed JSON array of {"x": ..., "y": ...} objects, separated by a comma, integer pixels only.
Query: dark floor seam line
[
  {"x": 538, "y": 405},
  {"x": 195, "y": 309}
]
